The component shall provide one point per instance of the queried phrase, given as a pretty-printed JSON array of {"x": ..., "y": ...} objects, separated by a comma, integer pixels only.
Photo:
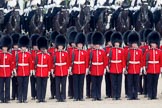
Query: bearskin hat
[
  {"x": 53, "y": 36},
  {"x": 125, "y": 36},
  {"x": 80, "y": 38},
  {"x": 107, "y": 35},
  {"x": 60, "y": 40},
  {"x": 146, "y": 33},
  {"x": 24, "y": 41},
  {"x": 97, "y": 38},
  {"x": 6, "y": 41},
  {"x": 42, "y": 42},
  {"x": 71, "y": 37},
  {"x": 89, "y": 38},
  {"x": 116, "y": 37},
  {"x": 154, "y": 37},
  {"x": 133, "y": 37},
  {"x": 34, "y": 38},
  {"x": 15, "y": 38}
]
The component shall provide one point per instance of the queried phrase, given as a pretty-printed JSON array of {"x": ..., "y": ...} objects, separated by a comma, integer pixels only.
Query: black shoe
[
  {"x": 25, "y": 101},
  {"x": 2, "y": 101},
  {"x": 81, "y": 100},
  {"x": 129, "y": 98},
  {"x": 43, "y": 101},
  {"x": 118, "y": 99},
  {"x": 149, "y": 98},
  {"x": 88, "y": 97},
  {"x": 51, "y": 98},
  {"x": 13, "y": 99},
  {"x": 19, "y": 101},
  {"x": 75, "y": 100},
  {"x": 63, "y": 100},
  {"x": 99, "y": 99},
  {"x": 70, "y": 97},
  {"x": 58, "y": 100}
]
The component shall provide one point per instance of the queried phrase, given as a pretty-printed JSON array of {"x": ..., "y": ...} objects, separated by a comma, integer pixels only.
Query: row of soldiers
[{"x": 67, "y": 56}]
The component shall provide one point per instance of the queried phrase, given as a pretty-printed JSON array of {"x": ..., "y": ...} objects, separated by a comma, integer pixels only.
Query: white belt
[
  {"x": 23, "y": 64},
  {"x": 60, "y": 64},
  {"x": 134, "y": 62},
  {"x": 39, "y": 65},
  {"x": 153, "y": 62},
  {"x": 4, "y": 65},
  {"x": 79, "y": 62},
  {"x": 97, "y": 63},
  {"x": 116, "y": 61}
]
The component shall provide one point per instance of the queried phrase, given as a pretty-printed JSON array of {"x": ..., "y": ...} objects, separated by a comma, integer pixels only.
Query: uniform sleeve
[
  {"x": 31, "y": 64},
  {"x": 105, "y": 59},
  {"x": 141, "y": 59},
  {"x": 13, "y": 62},
  {"x": 123, "y": 60},
  {"x": 144, "y": 58},
  {"x": 86, "y": 59},
  {"x": 160, "y": 58},
  {"x": 49, "y": 63},
  {"x": 67, "y": 60}
]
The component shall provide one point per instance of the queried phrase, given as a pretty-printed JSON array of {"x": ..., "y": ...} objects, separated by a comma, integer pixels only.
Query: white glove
[
  {"x": 144, "y": 70},
  {"x": 87, "y": 71},
  {"x": 124, "y": 70},
  {"x": 161, "y": 70},
  {"x": 49, "y": 74},
  {"x": 14, "y": 73},
  {"x": 70, "y": 71},
  {"x": 104, "y": 71},
  {"x": 107, "y": 68},
  {"x": 141, "y": 71},
  {"x": 33, "y": 72},
  {"x": 52, "y": 70}
]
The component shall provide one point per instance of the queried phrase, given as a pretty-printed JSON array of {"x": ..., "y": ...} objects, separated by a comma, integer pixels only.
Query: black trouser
[
  {"x": 23, "y": 88},
  {"x": 116, "y": 82},
  {"x": 60, "y": 87},
  {"x": 41, "y": 88},
  {"x": 96, "y": 86},
  {"x": 4, "y": 89},
  {"x": 152, "y": 83},
  {"x": 52, "y": 86},
  {"x": 78, "y": 81},
  {"x": 70, "y": 87},
  {"x": 133, "y": 81},
  {"x": 140, "y": 85},
  {"x": 33, "y": 86},
  {"x": 145, "y": 84},
  {"x": 14, "y": 87},
  {"x": 108, "y": 85},
  {"x": 126, "y": 84},
  {"x": 88, "y": 85}
]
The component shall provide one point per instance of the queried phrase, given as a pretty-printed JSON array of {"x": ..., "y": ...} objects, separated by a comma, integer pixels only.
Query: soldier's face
[
  {"x": 23, "y": 48},
  {"x": 4, "y": 49},
  {"x": 109, "y": 43},
  {"x": 134, "y": 45},
  {"x": 35, "y": 47},
  {"x": 60, "y": 47},
  {"x": 73, "y": 44},
  {"x": 97, "y": 46},
  {"x": 153, "y": 45},
  {"x": 117, "y": 44},
  {"x": 80, "y": 45},
  {"x": 15, "y": 46}
]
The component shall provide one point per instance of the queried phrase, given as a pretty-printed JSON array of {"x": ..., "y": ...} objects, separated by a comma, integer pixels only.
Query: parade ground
[{"x": 88, "y": 103}]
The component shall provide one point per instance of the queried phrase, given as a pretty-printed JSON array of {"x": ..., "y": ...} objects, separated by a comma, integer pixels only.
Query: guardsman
[
  {"x": 43, "y": 68},
  {"x": 134, "y": 64},
  {"x": 108, "y": 46},
  {"x": 61, "y": 66},
  {"x": 15, "y": 50},
  {"x": 144, "y": 46},
  {"x": 7, "y": 65},
  {"x": 116, "y": 64},
  {"x": 70, "y": 50},
  {"x": 98, "y": 65},
  {"x": 52, "y": 51},
  {"x": 88, "y": 75},
  {"x": 126, "y": 47},
  {"x": 34, "y": 51},
  {"x": 24, "y": 67},
  {"x": 153, "y": 64},
  {"x": 80, "y": 65}
]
